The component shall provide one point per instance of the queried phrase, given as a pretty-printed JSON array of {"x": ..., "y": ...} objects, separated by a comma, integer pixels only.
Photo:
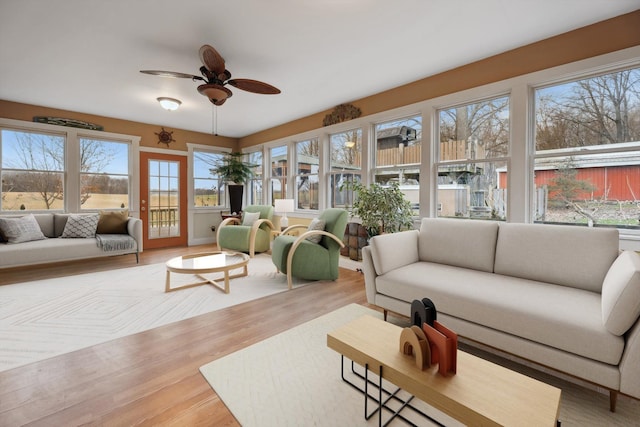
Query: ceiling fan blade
[
  {"x": 254, "y": 86},
  {"x": 212, "y": 59},
  {"x": 170, "y": 74}
]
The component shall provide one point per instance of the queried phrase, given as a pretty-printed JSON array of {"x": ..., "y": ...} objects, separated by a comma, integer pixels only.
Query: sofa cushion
[
  {"x": 80, "y": 226},
  {"x": 621, "y": 293},
  {"x": 565, "y": 255},
  {"x": 459, "y": 242},
  {"x": 390, "y": 251},
  {"x": 113, "y": 222},
  {"x": 20, "y": 229},
  {"x": 562, "y": 317}
]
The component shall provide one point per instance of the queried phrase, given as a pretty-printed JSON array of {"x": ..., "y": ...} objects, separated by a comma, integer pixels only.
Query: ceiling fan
[{"x": 216, "y": 77}]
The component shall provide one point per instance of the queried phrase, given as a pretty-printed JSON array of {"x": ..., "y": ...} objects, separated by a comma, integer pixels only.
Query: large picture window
[
  {"x": 104, "y": 174},
  {"x": 278, "y": 178},
  {"x": 398, "y": 155},
  {"x": 587, "y": 151},
  {"x": 307, "y": 172},
  {"x": 32, "y": 171},
  {"x": 208, "y": 188},
  {"x": 473, "y": 150},
  {"x": 256, "y": 196},
  {"x": 346, "y": 163}
]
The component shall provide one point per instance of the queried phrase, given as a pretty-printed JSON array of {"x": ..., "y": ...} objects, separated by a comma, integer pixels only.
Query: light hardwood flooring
[{"x": 152, "y": 378}]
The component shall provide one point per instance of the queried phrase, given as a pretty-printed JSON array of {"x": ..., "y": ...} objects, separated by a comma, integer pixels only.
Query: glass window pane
[
  {"x": 207, "y": 186},
  {"x": 342, "y": 194},
  {"x": 32, "y": 171},
  {"x": 307, "y": 192},
  {"x": 599, "y": 110},
  {"x": 474, "y": 131},
  {"x": 399, "y": 142},
  {"x": 479, "y": 191},
  {"x": 279, "y": 161},
  {"x": 346, "y": 150},
  {"x": 308, "y": 157}
]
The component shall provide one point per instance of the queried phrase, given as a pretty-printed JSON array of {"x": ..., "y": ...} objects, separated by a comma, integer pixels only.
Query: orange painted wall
[
  {"x": 603, "y": 37},
  {"x": 147, "y": 132}
]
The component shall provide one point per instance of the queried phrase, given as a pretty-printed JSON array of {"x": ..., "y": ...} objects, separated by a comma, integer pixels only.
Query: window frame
[{"x": 72, "y": 173}]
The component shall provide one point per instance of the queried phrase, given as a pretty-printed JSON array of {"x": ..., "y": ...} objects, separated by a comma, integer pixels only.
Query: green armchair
[
  {"x": 247, "y": 238},
  {"x": 296, "y": 256}
]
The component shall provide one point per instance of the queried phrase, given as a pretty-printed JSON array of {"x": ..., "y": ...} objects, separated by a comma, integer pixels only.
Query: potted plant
[
  {"x": 236, "y": 172},
  {"x": 382, "y": 209}
]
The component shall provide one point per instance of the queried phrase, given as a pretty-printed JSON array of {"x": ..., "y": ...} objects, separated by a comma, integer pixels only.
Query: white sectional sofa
[
  {"x": 55, "y": 248},
  {"x": 564, "y": 297}
]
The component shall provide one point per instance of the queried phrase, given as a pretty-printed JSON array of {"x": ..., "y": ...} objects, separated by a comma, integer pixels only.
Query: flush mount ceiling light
[{"x": 169, "y": 104}]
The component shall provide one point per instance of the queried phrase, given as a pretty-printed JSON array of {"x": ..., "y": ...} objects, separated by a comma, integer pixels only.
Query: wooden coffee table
[
  {"x": 207, "y": 262},
  {"x": 480, "y": 393}
]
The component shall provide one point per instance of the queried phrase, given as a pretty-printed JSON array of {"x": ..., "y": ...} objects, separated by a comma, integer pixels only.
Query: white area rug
[
  {"x": 293, "y": 379},
  {"x": 45, "y": 318}
]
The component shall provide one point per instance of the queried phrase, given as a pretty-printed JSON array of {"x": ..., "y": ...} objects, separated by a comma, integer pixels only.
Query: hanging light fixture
[{"x": 170, "y": 104}]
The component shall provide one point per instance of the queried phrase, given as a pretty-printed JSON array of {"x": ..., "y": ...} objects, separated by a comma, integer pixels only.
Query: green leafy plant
[
  {"x": 382, "y": 209},
  {"x": 233, "y": 168}
]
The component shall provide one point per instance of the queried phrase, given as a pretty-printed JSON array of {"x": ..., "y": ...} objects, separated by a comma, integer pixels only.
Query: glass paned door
[
  {"x": 163, "y": 204},
  {"x": 164, "y": 199}
]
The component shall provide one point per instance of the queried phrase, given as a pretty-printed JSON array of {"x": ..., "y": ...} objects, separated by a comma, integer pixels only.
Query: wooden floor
[{"x": 152, "y": 378}]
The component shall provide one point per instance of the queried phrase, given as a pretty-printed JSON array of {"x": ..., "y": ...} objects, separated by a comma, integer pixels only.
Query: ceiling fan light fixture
[
  {"x": 169, "y": 104},
  {"x": 215, "y": 92}
]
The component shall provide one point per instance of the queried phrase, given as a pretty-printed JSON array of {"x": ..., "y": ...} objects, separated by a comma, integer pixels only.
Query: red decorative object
[{"x": 443, "y": 343}]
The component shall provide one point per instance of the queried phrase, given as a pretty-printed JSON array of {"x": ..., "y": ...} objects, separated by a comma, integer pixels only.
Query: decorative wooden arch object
[{"x": 341, "y": 113}]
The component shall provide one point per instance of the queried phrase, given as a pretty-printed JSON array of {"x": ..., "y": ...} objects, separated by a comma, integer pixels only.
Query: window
[
  {"x": 209, "y": 190},
  {"x": 32, "y": 170},
  {"x": 104, "y": 174},
  {"x": 278, "y": 179},
  {"x": 308, "y": 168},
  {"x": 346, "y": 163},
  {"x": 472, "y": 153},
  {"x": 255, "y": 183},
  {"x": 587, "y": 151},
  {"x": 398, "y": 156}
]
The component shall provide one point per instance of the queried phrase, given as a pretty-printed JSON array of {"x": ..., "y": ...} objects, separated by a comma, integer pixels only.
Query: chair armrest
[
  {"x": 297, "y": 243},
  {"x": 226, "y": 222},
  {"x": 293, "y": 227},
  {"x": 254, "y": 231}
]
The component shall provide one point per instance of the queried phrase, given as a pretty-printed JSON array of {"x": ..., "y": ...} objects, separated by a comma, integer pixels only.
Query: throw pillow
[
  {"x": 621, "y": 293},
  {"x": 81, "y": 226},
  {"x": 113, "y": 222},
  {"x": 21, "y": 229},
  {"x": 250, "y": 217},
  {"x": 316, "y": 224}
]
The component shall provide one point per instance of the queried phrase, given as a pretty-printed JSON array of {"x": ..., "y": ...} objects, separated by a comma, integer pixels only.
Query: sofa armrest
[
  {"x": 630, "y": 363},
  {"x": 369, "y": 275},
  {"x": 394, "y": 250},
  {"x": 134, "y": 228}
]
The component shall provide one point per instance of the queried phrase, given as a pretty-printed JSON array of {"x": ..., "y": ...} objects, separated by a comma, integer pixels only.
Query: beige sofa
[
  {"x": 55, "y": 249},
  {"x": 564, "y": 297}
]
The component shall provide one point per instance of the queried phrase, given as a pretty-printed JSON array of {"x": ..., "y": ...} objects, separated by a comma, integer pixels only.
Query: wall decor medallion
[
  {"x": 66, "y": 122},
  {"x": 341, "y": 113},
  {"x": 165, "y": 137}
]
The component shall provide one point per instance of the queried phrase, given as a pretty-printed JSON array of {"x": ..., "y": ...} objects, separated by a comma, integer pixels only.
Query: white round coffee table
[{"x": 207, "y": 262}]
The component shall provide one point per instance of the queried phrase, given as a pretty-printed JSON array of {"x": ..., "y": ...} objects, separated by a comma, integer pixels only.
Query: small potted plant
[
  {"x": 236, "y": 172},
  {"x": 381, "y": 209}
]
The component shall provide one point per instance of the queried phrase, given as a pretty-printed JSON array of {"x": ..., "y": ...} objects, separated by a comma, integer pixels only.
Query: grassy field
[{"x": 34, "y": 202}]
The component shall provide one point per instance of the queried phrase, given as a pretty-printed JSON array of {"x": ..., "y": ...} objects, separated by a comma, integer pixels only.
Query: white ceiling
[{"x": 85, "y": 55}]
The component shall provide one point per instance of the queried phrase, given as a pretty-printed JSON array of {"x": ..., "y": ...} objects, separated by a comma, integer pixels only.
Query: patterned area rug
[
  {"x": 46, "y": 318},
  {"x": 293, "y": 379}
]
